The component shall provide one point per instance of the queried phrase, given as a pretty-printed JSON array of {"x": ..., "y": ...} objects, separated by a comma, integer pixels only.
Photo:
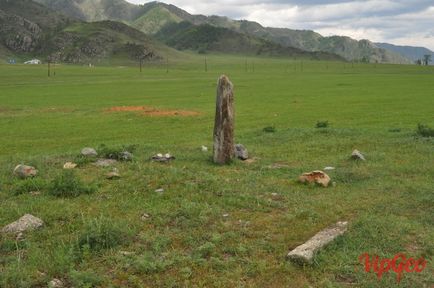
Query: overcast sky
[{"x": 401, "y": 22}]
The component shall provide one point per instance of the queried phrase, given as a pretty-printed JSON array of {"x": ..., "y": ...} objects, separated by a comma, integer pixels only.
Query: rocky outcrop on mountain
[
  {"x": 28, "y": 27},
  {"x": 19, "y": 34}
]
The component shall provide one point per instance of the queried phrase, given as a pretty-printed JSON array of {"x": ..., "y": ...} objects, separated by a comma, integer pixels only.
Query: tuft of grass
[
  {"x": 68, "y": 184},
  {"x": 28, "y": 185},
  {"x": 206, "y": 250},
  {"x": 424, "y": 130},
  {"x": 85, "y": 279},
  {"x": 150, "y": 263},
  {"x": 269, "y": 129},
  {"x": 102, "y": 233},
  {"x": 83, "y": 160},
  {"x": 322, "y": 124},
  {"x": 395, "y": 130},
  {"x": 115, "y": 152}
]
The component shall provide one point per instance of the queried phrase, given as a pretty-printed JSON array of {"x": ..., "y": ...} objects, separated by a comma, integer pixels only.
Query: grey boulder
[
  {"x": 125, "y": 156},
  {"x": 241, "y": 152},
  {"x": 89, "y": 152},
  {"x": 26, "y": 223},
  {"x": 24, "y": 171}
]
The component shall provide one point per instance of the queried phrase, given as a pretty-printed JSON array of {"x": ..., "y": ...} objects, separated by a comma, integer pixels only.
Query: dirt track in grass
[{"x": 152, "y": 111}]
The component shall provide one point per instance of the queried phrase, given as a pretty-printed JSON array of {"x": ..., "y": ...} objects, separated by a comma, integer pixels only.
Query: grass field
[{"x": 218, "y": 226}]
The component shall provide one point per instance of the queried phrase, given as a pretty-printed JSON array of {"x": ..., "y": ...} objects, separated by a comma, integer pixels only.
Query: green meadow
[{"x": 217, "y": 226}]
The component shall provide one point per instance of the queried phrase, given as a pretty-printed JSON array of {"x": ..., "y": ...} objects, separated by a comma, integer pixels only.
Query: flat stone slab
[
  {"x": 105, "y": 162},
  {"x": 25, "y": 223},
  {"x": 162, "y": 158},
  {"x": 305, "y": 252}
]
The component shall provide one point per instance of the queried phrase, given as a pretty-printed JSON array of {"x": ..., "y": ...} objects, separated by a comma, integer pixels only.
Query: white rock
[
  {"x": 89, "y": 152},
  {"x": 25, "y": 223},
  {"x": 305, "y": 252},
  {"x": 329, "y": 168},
  {"x": 55, "y": 283},
  {"x": 69, "y": 165},
  {"x": 357, "y": 155}
]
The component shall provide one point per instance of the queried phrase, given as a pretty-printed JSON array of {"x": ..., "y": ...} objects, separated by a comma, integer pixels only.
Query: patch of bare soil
[
  {"x": 5, "y": 110},
  {"x": 152, "y": 111},
  {"x": 56, "y": 109}
]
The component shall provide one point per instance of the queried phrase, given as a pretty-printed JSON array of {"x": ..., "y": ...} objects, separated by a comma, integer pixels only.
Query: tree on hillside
[{"x": 427, "y": 59}]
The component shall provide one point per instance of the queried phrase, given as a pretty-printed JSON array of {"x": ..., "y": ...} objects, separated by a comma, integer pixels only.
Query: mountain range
[
  {"x": 28, "y": 28},
  {"x": 411, "y": 52},
  {"x": 161, "y": 23}
]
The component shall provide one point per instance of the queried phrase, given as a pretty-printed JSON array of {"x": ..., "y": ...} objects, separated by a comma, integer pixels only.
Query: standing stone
[{"x": 224, "y": 147}]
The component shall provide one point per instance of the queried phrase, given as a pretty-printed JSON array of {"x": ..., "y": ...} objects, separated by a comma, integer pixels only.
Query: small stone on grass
[
  {"x": 241, "y": 152},
  {"x": 162, "y": 158},
  {"x": 55, "y": 283},
  {"x": 329, "y": 168},
  {"x": 318, "y": 177},
  {"x": 26, "y": 223},
  {"x": 306, "y": 252},
  {"x": 24, "y": 171},
  {"x": 89, "y": 152},
  {"x": 113, "y": 175},
  {"x": 69, "y": 165},
  {"x": 105, "y": 162},
  {"x": 357, "y": 155}
]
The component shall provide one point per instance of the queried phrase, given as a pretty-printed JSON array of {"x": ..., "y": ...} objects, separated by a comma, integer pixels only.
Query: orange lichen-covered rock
[{"x": 318, "y": 177}]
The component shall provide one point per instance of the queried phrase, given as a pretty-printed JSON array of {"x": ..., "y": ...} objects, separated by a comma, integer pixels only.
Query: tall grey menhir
[{"x": 224, "y": 150}]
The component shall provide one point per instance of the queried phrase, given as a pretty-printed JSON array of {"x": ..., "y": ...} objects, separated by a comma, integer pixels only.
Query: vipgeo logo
[{"x": 398, "y": 264}]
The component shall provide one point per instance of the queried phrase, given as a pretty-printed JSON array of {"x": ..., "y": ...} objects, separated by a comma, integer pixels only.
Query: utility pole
[
  {"x": 206, "y": 65},
  {"x": 167, "y": 64}
]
